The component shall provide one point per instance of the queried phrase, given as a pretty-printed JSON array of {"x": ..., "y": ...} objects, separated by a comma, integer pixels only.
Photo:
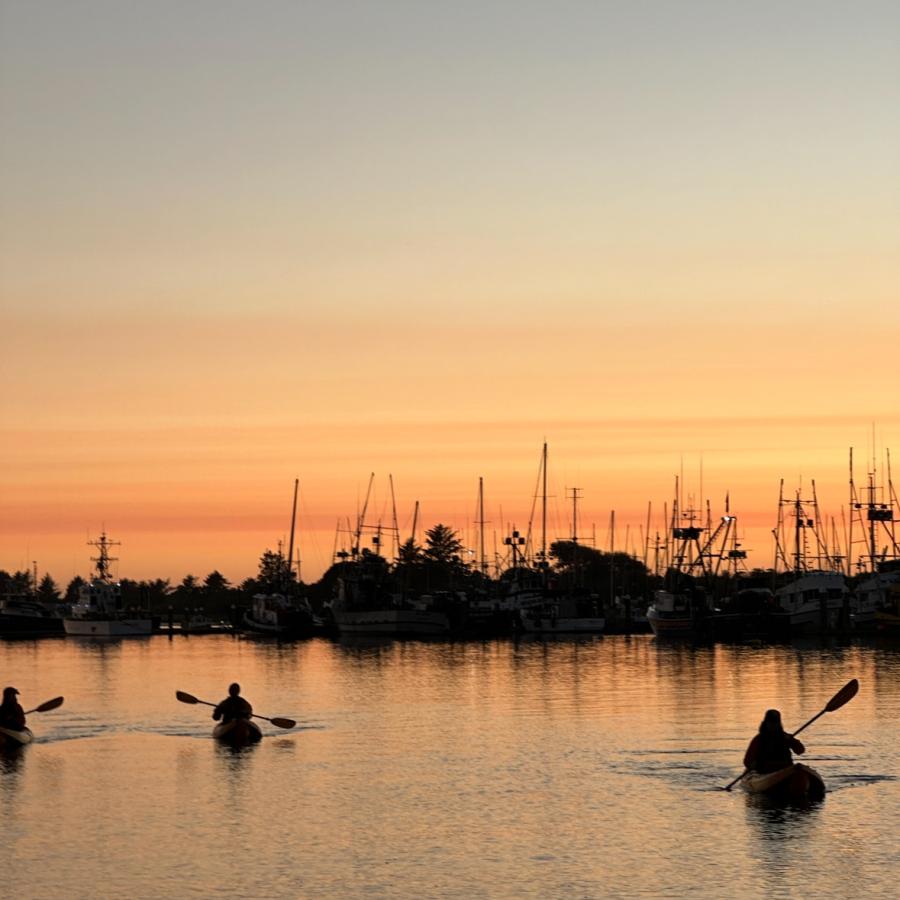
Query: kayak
[
  {"x": 794, "y": 784},
  {"x": 237, "y": 733},
  {"x": 10, "y": 738}
]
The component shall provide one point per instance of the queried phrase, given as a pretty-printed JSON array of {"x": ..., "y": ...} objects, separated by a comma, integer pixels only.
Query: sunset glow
[{"x": 319, "y": 242}]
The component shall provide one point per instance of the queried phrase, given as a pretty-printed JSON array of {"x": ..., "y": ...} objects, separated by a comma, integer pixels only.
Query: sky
[{"x": 246, "y": 243}]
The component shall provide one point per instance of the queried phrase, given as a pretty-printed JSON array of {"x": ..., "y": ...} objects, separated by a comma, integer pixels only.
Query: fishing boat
[
  {"x": 197, "y": 622},
  {"x": 360, "y": 608},
  {"x": 278, "y": 611},
  {"x": 571, "y": 609},
  {"x": 675, "y": 615},
  {"x": 564, "y": 614},
  {"x": 238, "y": 733},
  {"x": 816, "y": 603},
  {"x": 277, "y": 615},
  {"x": 695, "y": 552},
  {"x": 100, "y": 611},
  {"x": 13, "y": 738},
  {"x": 815, "y": 597},
  {"x": 794, "y": 784},
  {"x": 873, "y": 548},
  {"x": 24, "y": 616}
]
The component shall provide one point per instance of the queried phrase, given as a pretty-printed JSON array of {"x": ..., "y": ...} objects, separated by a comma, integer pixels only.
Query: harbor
[{"x": 697, "y": 583}]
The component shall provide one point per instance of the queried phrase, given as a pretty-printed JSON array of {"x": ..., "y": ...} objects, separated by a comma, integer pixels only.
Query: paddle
[
  {"x": 844, "y": 695},
  {"x": 46, "y": 706},
  {"x": 277, "y": 722}
]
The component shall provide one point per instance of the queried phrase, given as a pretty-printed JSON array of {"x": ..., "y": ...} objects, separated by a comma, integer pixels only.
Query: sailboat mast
[
  {"x": 482, "y": 562},
  {"x": 290, "y": 553},
  {"x": 362, "y": 517},
  {"x": 395, "y": 536},
  {"x": 544, "y": 510}
]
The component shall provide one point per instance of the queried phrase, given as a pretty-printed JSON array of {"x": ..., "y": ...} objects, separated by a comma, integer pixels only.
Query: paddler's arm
[
  {"x": 795, "y": 745},
  {"x": 217, "y": 712}
]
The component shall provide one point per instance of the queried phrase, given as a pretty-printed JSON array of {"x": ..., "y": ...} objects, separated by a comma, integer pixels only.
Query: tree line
[{"x": 437, "y": 564}]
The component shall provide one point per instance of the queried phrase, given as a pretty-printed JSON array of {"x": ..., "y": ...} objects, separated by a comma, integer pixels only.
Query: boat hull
[
  {"x": 30, "y": 626},
  {"x": 563, "y": 624},
  {"x": 796, "y": 783},
  {"x": 398, "y": 622},
  {"x": 136, "y": 627},
  {"x": 237, "y": 733},
  {"x": 670, "y": 625},
  {"x": 11, "y": 738}
]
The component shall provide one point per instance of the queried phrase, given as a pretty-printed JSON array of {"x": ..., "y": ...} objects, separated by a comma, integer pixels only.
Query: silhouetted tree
[
  {"x": 74, "y": 588},
  {"x": 47, "y": 591},
  {"x": 607, "y": 574},
  {"x": 442, "y": 546},
  {"x": 275, "y": 573}
]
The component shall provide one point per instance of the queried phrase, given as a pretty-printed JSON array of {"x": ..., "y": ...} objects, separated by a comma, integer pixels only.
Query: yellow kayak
[
  {"x": 794, "y": 784},
  {"x": 10, "y": 738}
]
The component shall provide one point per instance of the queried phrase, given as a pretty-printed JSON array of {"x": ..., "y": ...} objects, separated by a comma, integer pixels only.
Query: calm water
[{"x": 582, "y": 769}]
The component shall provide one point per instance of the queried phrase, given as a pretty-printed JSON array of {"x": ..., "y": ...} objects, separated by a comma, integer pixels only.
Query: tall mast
[
  {"x": 395, "y": 537},
  {"x": 575, "y": 492},
  {"x": 482, "y": 562},
  {"x": 544, "y": 511},
  {"x": 362, "y": 517},
  {"x": 415, "y": 522},
  {"x": 647, "y": 534},
  {"x": 290, "y": 553}
]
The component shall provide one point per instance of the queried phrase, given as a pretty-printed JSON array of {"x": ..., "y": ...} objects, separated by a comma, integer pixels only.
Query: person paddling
[
  {"x": 770, "y": 750},
  {"x": 234, "y": 706},
  {"x": 11, "y": 713}
]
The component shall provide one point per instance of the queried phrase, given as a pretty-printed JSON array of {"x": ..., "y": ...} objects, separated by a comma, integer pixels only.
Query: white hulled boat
[
  {"x": 817, "y": 598},
  {"x": 873, "y": 547},
  {"x": 817, "y": 602},
  {"x": 99, "y": 611}
]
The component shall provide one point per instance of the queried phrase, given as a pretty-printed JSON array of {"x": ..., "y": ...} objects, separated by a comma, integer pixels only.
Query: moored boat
[
  {"x": 796, "y": 783},
  {"x": 12, "y": 738},
  {"x": 238, "y": 733},
  {"x": 564, "y": 614},
  {"x": 281, "y": 616},
  {"x": 675, "y": 615},
  {"x": 23, "y": 616},
  {"x": 99, "y": 611}
]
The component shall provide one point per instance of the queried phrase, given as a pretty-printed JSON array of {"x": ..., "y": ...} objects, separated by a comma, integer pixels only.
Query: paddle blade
[
  {"x": 186, "y": 698},
  {"x": 48, "y": 705},
  {"x": 283, "y": 723},
  {"x": 844, "y": 695}
]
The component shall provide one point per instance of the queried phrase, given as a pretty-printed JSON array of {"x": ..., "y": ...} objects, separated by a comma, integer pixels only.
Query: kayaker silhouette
[
  {"x": 233, "y": 706},
  {"x": 770, "y": 750},
  {"x": 11, "y": 714}
]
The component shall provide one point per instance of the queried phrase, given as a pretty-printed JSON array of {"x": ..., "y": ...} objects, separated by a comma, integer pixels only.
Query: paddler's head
[
  {"x": 771, "y": 721},
  {"x": 9, "y": 694},
  {"x": 234, "y": 689}
]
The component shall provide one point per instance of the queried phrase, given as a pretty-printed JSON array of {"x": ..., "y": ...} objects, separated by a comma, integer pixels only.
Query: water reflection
[
  {"x": 781, "y": 839},
  {"x": 11, "y": 761},
  {"x": 498, "y": 768}
]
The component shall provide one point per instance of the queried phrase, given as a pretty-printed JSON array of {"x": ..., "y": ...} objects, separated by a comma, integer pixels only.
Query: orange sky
[{"x": 319, "y": 243}]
